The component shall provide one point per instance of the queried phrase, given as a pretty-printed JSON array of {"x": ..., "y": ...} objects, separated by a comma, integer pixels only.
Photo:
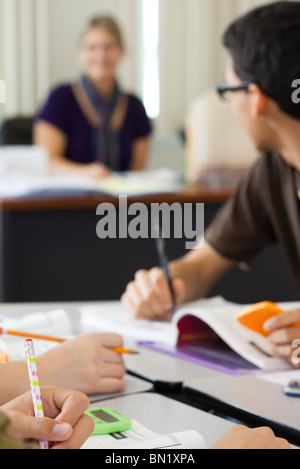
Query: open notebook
[{"x": 204, "y": 332}]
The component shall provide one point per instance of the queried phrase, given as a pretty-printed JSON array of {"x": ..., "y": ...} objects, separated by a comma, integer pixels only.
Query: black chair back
[{"x": 17, "y": 131}]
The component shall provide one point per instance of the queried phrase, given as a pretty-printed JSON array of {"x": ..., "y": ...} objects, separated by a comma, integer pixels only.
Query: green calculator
[{"x": 108, "y": 421}]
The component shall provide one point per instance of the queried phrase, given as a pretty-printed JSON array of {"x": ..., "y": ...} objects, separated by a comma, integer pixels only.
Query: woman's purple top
[{"x": 63, "y": 111}]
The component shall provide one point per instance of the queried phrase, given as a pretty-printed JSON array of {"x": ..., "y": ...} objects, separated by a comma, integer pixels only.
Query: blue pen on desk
[{"x": 163, "y": 260}]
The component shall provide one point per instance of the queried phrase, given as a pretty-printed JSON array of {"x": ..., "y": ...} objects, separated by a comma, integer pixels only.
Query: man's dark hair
[{"x": 265, "y": 47}]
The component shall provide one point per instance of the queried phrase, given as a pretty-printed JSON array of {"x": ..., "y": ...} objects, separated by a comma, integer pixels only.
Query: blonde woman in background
[{"x": 91, "y": 127}]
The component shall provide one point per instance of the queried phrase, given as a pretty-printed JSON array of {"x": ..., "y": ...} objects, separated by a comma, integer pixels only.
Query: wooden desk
[
  {"x": 189, "y": 195},
  {"x": 50, "y": 251}
]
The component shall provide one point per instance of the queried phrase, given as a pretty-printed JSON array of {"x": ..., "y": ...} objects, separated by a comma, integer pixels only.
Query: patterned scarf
[{"x": 106, "y": 117}]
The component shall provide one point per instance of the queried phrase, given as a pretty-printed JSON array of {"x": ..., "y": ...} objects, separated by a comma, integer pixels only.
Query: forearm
[
  {"x": 140, "y": 155},
  {"x": 200, "y": 269},
  {"x": 187, "y": 270},
  {"x": 14, "y": 381},
  {"x": 55, "y": 142}
]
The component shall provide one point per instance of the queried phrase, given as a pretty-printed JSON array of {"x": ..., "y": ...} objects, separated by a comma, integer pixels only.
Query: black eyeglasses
[{"x": 224, "y": 90}]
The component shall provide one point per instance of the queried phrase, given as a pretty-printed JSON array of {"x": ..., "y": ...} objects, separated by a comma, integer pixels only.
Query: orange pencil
[
  {"x": 124, "y": 351},
  {"x": 30, "y": 336}
]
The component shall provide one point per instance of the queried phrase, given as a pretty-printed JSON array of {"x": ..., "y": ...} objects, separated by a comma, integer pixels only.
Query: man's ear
[{"x": 258, "y": 101}]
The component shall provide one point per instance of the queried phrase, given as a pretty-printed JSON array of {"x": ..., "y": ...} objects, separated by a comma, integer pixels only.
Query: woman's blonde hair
[{"x": 109, "y": 24}]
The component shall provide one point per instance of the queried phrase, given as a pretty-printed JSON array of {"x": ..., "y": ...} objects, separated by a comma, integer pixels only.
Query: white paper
[
  {"x": 54, "y": 323},
  {"x": 282, "y": 378},
  {"x": 20, "y": 180},
  {"x": 140, "y": 437},
  {"x": 113, "y": 317},
  {"x": 22, "y": 160}
]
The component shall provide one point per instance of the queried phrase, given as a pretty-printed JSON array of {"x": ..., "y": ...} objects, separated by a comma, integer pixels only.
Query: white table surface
[
  {"x": 154, "y": 367},
  {"x": 164, "y": 415}
]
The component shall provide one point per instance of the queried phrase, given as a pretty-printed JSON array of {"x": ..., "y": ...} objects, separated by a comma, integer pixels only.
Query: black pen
[{"x": 163, "y": 260}]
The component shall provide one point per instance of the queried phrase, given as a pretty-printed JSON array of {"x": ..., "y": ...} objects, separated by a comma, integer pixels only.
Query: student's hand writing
[
  {"x": 85, "y": 363},
  {"x": 284, "y": 329},
  {"x": 241, "y": 437},
  {"x": 65, "y": 425},
  {"x": 95, "y": 171},
  {"x": 149, "y": 296}
]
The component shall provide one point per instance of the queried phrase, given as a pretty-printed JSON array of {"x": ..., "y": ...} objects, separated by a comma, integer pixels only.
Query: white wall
[
  {"x": 38, "y": 40},
  {"x": 192, "y": 56},
  {"x": 67, "y": 20},
  {"x": 38, "y": 48}
]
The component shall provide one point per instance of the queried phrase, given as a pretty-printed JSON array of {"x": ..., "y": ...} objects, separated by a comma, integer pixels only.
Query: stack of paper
[
  {"x": 141, "y": 183},
  {"x": 24, "y": 172}
]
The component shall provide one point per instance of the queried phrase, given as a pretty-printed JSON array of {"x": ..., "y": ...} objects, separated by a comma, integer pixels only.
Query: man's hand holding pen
[{"x": 149, "y": 295}]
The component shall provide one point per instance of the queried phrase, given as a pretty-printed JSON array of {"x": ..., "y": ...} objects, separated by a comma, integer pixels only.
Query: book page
[
  {"x": 250, "y": 345},
  {"x": 113, "y": 317}
]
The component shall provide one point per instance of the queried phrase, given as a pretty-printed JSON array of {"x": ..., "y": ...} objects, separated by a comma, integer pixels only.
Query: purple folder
[{"x": 215, "y": 355}]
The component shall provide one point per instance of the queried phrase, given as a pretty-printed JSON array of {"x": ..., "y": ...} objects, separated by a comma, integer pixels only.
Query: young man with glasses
[{"x": 263, "y": 62}]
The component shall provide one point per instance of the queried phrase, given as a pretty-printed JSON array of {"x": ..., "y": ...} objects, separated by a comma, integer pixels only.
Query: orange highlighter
[{"x": 253, "y": 317}]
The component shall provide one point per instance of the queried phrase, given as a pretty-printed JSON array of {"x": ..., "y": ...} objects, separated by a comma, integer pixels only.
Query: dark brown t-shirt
[{"x": 265, "y": 209}]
